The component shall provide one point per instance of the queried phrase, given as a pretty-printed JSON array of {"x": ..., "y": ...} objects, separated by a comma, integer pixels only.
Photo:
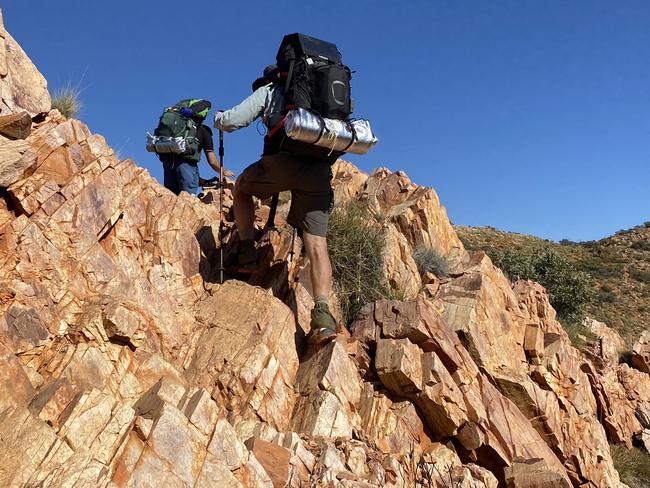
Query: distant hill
[{"x": 619, "y": 265}]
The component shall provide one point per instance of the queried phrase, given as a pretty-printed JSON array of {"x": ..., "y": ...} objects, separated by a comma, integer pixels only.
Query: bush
[
  {"x": 66, "y": 100},
  {"x": 469, "y": 244},
  {"x": 641, "y": 245},
  {"x": 647, "y": 224},
  {"x": 428, "y": 260},
  {"x": 567, "y": 242},
  {"x": 570, "y": 290},
  {"x": 606, "y": 297},
  {"x": 356, "y": 246},
  {"x": 633, "y": 465},
  {"x": 601, "y": 267},
  {"x": 641, "y": 276},
  {"x": 579, "y": 334}
]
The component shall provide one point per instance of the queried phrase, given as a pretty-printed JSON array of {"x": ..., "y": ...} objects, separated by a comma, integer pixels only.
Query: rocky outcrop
[
  {"x": 125, "y": 363},
  {"x": 641, "y": 353},
  {"x": 22, "y": 86}
]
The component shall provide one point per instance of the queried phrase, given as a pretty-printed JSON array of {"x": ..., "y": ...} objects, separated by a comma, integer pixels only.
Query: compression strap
[{"x": 277, "y": 127}]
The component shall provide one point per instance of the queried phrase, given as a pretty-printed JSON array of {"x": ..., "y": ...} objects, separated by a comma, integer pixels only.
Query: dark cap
[
  {"x": 260, "y": 82},
  {"x": 269, "y": 71}
]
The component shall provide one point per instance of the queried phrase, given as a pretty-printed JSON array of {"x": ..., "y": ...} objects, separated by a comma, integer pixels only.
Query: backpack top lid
[
  {"x": 199, "y": 106},
  {"x": 302, "y": 45}
]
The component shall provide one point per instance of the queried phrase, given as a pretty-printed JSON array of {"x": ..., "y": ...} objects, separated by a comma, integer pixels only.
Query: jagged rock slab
[
  {"x": 641, "y": 353},
  {"x": 22, "y": 86},
  {"x": 15, "y": 126}
]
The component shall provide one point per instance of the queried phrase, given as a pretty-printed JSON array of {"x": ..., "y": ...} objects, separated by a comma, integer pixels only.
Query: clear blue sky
[{"x": 531, "y": 116}]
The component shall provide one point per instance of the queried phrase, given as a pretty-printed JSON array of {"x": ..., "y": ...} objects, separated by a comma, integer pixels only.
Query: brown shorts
[{"x": 310, "y": 184}]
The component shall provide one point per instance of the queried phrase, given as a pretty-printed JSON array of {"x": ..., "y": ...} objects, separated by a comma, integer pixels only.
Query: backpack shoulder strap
[{"x": 287, "y": 82}]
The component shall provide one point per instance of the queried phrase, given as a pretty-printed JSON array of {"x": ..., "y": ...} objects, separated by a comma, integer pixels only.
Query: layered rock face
[
  {"x": 125, "y": 363},
  {"x": 22, "y": 87}
]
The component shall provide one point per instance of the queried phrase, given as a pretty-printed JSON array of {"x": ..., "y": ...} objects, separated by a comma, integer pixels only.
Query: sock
[{"x": 322, "y": 299}]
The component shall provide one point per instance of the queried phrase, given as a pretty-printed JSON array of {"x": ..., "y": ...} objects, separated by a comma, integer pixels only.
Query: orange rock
[
  {"x": 641, "y": 353},
  {"x": 15, "y": 126},
  {"x": 273, "y": 458},
  {"x": 22, "y": 87},
  {"x": 123, "y": 362}
]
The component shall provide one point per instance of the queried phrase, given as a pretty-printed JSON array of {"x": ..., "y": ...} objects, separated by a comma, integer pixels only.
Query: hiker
[
  {"x": 179, "y": 140},
  {"x": 304, "y": 102},
  {"x": 311, "y": 196}
]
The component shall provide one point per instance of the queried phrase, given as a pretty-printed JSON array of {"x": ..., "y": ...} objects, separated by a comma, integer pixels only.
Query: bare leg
[
  {"x": 321, "y": 268},
  {"x": 244, "y": 208},
  {"x": 323, "y": 325}
]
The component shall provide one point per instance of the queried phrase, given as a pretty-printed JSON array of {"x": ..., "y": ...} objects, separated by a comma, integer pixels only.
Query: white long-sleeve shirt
[{"x": 266, "y": 102}]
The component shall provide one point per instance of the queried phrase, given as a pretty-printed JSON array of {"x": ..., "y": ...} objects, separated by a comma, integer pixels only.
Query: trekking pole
[{"x": 221, "y": 224}]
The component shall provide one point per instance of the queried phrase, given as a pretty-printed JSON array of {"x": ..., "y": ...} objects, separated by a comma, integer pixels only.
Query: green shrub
[
  {"x": 641, "y": 245},
  {"x": 606, "y": 297},
  {"x": 647, "y": 224},
  {"x": 428, "y": 260},
  {"x": 468, "y": 243},
  {"x": 66, "y": 100},
  {"x": 641, "y": 276},
  {"x": 356, "y": 246},
  {"x": 599, "y": 267},
  {"x": 570, "y": 290},
  {"x": 580, "y": 335},
  {"x": 633, "y": 465}
]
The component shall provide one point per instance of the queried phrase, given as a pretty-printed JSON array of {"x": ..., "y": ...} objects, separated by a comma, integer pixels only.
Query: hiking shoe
[
  {"x": 247, "y": 254},
  {"x": 323, "y": 325}
]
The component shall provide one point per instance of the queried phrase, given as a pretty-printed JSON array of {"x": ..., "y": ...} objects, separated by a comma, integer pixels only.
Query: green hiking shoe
[
  {"x": 323, "y": 325},
  {"x": 247, "y": 254}
]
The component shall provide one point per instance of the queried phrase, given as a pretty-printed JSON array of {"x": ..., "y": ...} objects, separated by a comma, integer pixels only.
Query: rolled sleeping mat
[
  {"x": 338, "y": 135},
  {"x": 166, "y": 145}
]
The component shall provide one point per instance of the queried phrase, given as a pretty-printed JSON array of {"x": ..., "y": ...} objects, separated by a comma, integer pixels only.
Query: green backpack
[{"x": 177, "y": 129}]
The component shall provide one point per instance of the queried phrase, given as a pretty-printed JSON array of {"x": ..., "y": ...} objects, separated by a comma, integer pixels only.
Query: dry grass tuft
[{"x": 66, "y": 100}]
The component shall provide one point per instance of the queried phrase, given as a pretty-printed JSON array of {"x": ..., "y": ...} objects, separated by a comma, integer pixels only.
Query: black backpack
[{"x": 314, "y": 76}]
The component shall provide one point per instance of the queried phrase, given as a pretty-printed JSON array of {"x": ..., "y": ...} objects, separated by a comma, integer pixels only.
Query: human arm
[
  {"x": 245, "y": 113},
  {"x": 214, "y": 163},
  {"x": 205, "y": 136}
]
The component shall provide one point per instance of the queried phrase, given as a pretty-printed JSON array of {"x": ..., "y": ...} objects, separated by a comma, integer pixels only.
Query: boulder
[
  {"x": 641, "y": 353},
  {"x": 273, "y": 458},
  {"x": 16, "y": 126},
  {"x": 22, "y": 86},
  {"x": 533, "y": 474}
]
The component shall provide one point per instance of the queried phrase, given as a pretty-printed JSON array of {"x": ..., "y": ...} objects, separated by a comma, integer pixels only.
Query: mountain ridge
[{"x": 619, "y": 265}]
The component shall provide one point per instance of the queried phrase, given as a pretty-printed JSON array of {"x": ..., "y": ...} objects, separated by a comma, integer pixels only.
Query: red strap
[{"x": 276, "y": 128}]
